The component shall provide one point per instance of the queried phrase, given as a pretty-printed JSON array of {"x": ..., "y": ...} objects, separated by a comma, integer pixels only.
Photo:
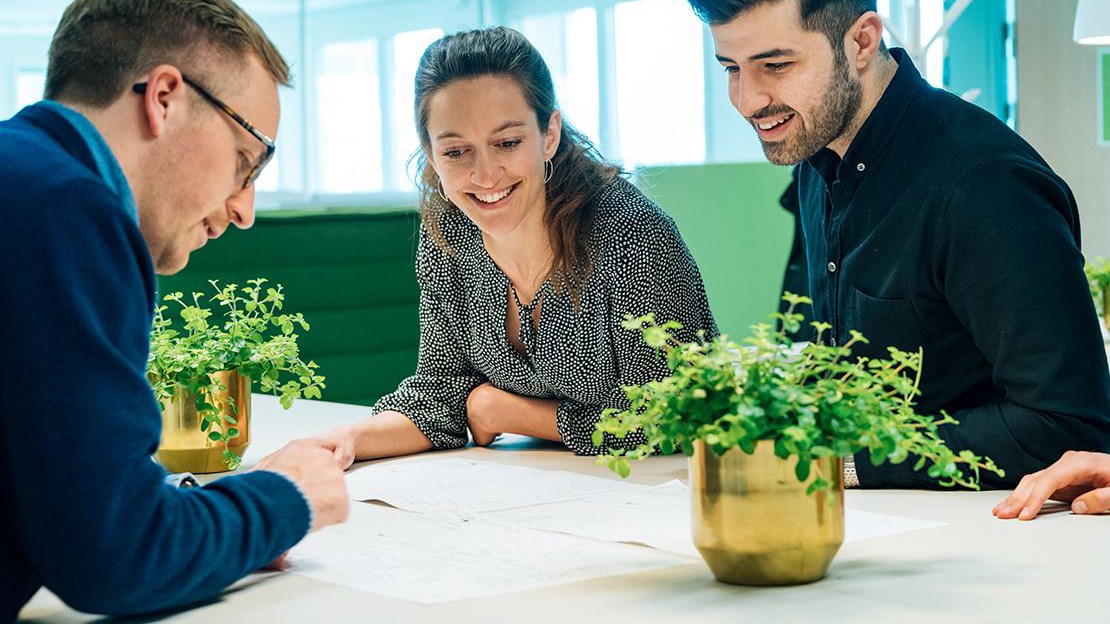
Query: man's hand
[
  {"x": 481, "y": 413},
  {"x": 315, "y": 471},
  {"x": 1081, "y": 478},
  {"x": 279, "y": 564}
]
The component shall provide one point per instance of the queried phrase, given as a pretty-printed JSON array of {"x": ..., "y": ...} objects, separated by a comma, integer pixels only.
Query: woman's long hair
[{"x": 578, "y": 173}]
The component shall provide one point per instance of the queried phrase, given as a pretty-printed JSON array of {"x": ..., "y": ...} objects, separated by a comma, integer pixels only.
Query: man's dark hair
[{"x": 829, "y": 17}]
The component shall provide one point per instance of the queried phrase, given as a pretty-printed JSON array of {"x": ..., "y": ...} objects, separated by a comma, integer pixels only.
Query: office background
[{"x": 637, "y": 76}]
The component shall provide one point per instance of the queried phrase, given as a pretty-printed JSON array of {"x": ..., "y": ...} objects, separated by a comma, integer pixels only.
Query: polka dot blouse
[{"x": 579, "y": 356}]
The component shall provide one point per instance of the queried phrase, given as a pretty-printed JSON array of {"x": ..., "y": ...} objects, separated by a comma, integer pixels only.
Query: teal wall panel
[{"x": 977, "y": 55}]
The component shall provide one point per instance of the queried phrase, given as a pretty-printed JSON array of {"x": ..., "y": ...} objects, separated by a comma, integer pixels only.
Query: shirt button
[
  {"x": 831, "y": 267},
  {"x": 860, "y": 167}
]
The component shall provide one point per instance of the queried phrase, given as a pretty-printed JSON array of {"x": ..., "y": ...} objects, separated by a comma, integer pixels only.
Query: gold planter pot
[
  {"x": 184, "y": 447},
  {"x": 1106, "y": 308},
  {"x": 753, "y": 522}
]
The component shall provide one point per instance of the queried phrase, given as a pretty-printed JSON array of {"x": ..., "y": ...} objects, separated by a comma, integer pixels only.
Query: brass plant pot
[
  {"x": 753, "y": 522},
  {"x": 184, "y": 447},
  {"x": 1106, "y": 308}
]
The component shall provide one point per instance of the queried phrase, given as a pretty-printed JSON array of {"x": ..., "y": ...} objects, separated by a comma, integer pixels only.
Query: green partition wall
[
  {"x": 735, "y": 228},
  {"x": 351, "y": 274}
]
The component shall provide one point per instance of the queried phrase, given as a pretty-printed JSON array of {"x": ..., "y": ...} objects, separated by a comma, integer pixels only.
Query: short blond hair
[{"x": 100, "y": 46}]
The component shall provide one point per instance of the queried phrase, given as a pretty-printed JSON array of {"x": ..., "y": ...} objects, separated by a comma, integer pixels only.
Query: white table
[{"x": 976, "y": 569}]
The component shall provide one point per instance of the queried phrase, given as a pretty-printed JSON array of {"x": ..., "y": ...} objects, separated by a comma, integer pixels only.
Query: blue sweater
[{"x": 83, "y": 509}]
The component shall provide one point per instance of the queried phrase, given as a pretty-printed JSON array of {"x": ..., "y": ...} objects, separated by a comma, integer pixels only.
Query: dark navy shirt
[
  {"x": 83, "y": 508},
  {"x": 942, "y": 229}
]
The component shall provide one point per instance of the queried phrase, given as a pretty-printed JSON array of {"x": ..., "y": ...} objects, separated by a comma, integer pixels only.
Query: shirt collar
[
  {"x": 107, "y": 167},
  {"x": 877, "y": 130}
]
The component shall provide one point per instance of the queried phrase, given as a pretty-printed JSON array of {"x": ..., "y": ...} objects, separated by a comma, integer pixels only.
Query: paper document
[
  {"x": 864, "y": 524},
  {"x": 463, "y": 529},
  {"x": 458, "y": 485},
  {"x": 660, "y": 517},
  {"x": 657, "y": 517},
  {"x": 427, "y": 559}
]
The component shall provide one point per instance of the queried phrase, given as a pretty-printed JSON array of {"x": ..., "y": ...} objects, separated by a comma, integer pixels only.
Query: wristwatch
[
  {"x": 182, "y": 480},
  {"x": 851, "y": 479}
]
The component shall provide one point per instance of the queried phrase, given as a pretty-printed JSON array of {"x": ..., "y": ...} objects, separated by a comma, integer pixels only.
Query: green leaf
[
  {"x": 823, "y": 402},
  {"x": 802, "y": 468}
]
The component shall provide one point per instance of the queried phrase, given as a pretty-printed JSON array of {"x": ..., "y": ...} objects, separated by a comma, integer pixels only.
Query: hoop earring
[
  {"x": 548, "y": 170},
  {"x": 439, "y": 183}
]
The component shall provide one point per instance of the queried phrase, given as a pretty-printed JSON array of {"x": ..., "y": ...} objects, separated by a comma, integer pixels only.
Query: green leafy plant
[
  {"x": 1098, "y": 278},
  {"x": 819, "y": 402},
  {"x": 246, "y": 332}
]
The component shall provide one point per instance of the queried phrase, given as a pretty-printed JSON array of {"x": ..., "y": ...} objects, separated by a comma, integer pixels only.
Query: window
[
  {"x": 932, "y": 18},
  {"x": 29, "y": 87},
  {"x": 918, "y": 26},
  {"x": 348, "y": 118},
  {"x": 568, "y": 42},
  {"x": 660, "y": 83},
  {"x": 407, "y": 48},
  {"x": 635, "y": 76}
]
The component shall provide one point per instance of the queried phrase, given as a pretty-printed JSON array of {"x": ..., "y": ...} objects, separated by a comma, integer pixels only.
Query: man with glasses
[
  {"x": 131, "y": 163},
  {"x": 251, "y": 171}
]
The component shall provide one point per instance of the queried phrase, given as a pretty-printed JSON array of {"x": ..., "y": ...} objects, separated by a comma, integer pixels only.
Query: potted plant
[
  {"x": 744, "y": 412},
  {"x": 1098, "y": 278},
  {"x": 202, "y": 363}
]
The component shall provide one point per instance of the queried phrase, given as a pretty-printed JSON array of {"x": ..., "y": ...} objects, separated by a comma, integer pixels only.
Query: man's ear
[
  {"x": 553, "y": 135},
  {"x": 163, "y": 95},
  {"x": 864, "y": 39}
]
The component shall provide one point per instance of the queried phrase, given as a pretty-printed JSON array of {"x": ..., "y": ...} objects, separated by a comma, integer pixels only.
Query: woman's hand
[
  {"x": 1081, "y": 478},
  {"x": 341, "y": 443}
]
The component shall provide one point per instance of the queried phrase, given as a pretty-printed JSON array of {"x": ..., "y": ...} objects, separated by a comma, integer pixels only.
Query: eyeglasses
[{"x": 256, "y": 170}]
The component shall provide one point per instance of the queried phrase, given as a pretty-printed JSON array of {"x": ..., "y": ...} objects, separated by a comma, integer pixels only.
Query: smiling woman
[{"x": 532, "y": 250}]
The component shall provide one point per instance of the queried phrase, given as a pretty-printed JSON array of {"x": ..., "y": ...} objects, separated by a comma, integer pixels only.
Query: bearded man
[{"x": 928, "y": 224}]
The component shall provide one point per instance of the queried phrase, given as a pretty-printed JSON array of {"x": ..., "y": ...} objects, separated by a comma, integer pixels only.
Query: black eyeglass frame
[{"x": 267, "y": 156}]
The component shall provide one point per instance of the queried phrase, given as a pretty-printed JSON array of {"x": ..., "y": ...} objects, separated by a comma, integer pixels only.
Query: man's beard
[{"x": 830, "y": 119}]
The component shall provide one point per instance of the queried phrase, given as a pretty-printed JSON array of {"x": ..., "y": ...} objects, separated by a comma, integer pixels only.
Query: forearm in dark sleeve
[
  {"x": 95, "y": 518},
  {"x": 1011, "y": 270},
  {"x": 1019, "y": 440}
]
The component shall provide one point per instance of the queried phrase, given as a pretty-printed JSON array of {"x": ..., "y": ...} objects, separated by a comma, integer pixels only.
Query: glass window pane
[
  {"x": 270, "y": 179},
  {"x": 407, "y": 49},
  {"x": 932, "y": 16},
  {"x": 282, "y": 24},
  {"x": 348, "y": 118},
  {"x": 29, "y": 87},
  {"x": 568, "y": 43},
  {"x": 660, "y": 83},
  {"x": 883, "y": 8}
]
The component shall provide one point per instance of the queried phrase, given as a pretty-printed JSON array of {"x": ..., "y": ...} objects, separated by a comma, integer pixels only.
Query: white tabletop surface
[{"x": 975, "y": 569}]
